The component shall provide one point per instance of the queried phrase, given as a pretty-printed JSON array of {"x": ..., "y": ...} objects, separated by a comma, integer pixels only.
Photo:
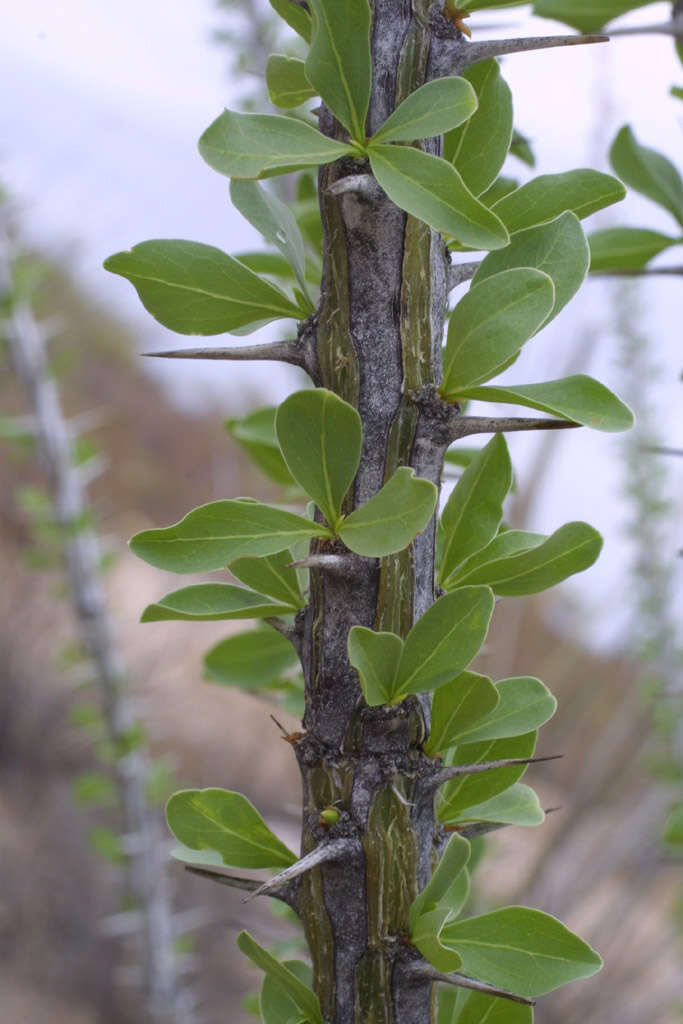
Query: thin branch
[
  {"x": 249, "y": 885},
  {"x": 460, "y": 272},
  {"x": 466, "y": 425},
  {"x": 499, "y": 47},
  {"x": 336, "y": 850},
  {"x": 457, "y": 771},
  {"x": 359, "y": 184},
  {"x": 423, "y": 970},
  {"x": 286, "y": 629},
  {"x": 644, "y": 272},
  {"x": 279, "y": 351},
  {"x": 664, "y": 28}
]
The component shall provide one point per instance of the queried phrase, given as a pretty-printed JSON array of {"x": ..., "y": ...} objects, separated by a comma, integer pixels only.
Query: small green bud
[{"x": 329, "y": 816}]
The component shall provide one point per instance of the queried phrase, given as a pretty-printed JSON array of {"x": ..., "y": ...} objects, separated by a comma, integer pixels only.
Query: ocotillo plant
[
  {"x": 405, "y": 752},
  {"x": 69, "y": 515}
]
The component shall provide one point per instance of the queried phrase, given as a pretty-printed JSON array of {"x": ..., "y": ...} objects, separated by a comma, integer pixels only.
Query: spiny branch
[
  {"x": 499, "y": 47},
  {"x": 249, "y": 885},
  {"x": 460, "y": 272},
  {"x": 457, "y": 771},
  {"x": 336, "y": 850},
  {"x": 293, "y": 352},
  {"x": 467, "y": 425},
  {"x": 424, "y": 970},
  {"x": 329, "y": 563}
]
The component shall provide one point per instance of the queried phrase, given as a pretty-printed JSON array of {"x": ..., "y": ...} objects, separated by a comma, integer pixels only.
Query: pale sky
[{"x": 103, "y": 104}]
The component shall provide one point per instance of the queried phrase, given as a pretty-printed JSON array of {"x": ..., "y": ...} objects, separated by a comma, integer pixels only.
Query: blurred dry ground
[{"x": 596, "y": 862}]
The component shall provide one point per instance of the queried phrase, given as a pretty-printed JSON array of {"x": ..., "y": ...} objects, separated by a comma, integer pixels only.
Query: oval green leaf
[
  {"x": 276, "y": 223},
  {"x": 583, "y": 192},
  {"x": 213, "y": 535},
  {"x": 477, "y": 1008},
  {"x": 431, "y": 110},
  {"x": 457, "y": 707},
  {"x": 626, "y": 248},
  {"x": 559, "y": 249},
  {"x": 648, "y": 172},
  {"x": 571, "y": 549},
  {"x": 301, "y": 995},
  {"x": 517, "y": 805},
  {"x": 520, "y": 949},
  {"x": 479, "y": 147},
  {"x": 524, "y": 704},
  {"x": 444, "y": 640},
  {"x": 577, "y": 398},
  {"x": 256, "y": 435},
  {"x": 393, "y": 518},
  {"x": 296, "y": 16},
  {"x": 440, "y": 887},
  {"x": 251, "y": 661},
  {"x": 213, "y": 601},
  {"x": 262, "y": 145},
  {"x": 586, "y": 15},
  {"x": 507, "y": 543},
  {"x": 375, "y": 657},
  {"x": 491, "y": 323},
  {"x": 271, "y": 575},
  {"x": 474, "y": 509},
  {"x": 320, "y": 436},
  {"x": 198, "y": 289},
  {"x": 286, "y": 81},
  {"x": 431, "y": 189},
  {"x": 276, "y": 1006},
  {"x": 338, "y": 65},
  {"x": 221, "y": 820}
]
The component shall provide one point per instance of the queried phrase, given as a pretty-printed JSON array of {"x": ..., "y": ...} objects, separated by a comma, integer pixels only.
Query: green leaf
[
  {"x": 252, "y": 661},
  {"x": 275, "y": 1004},
  {"x": 107, "y": 844},
  {"x": 286, "y": 81},
  {"x": 459, "y": 794},
  {"x": 392, "y": 518},
  {"x": 673, "y": 826},
  {"x": 432, "y": 190},
  {"x": 221, "y": 820},
  {"x": 270, "y": 263},
  {"x": 506, "y": 543},
  {"x": 577, "y": 398},
  {"x": 271, "y": 575},
  {"x": 502, "y": 186},
  {"x": 477, "y": 1008},
  {"x": 648, "y": 172},
  {"x": 544, "y": 198},
  {"x": 491, "y": 323},
  {"x": 339, "y": 65},
  {"x": 276, "y": 223},
  {"x": 431, "y": 110},
  {"x": 213, "y": 535},
  {"x": 523, "y": 950},
  {"x": 521, "y": 148},
  {"x": 375, "y": 656},
  {"x": 571, "y": 549},
  {"x": 524, "y": 704},
  {"x": 457, "y": 707},
  {"x": 198, "y": 289},
  {"x": 301, "y": 995},
  {"x": 256, "y": 434},
  {"x": 444, "y": 640},
  {"x": 213, "y": 601},
  {"x": 479, "y": 147},
  {"x": 93, "y": 789},
  {"x": 517, "y": 805},
  {"x": 297, "y": 17},
  {"x": 559, "y": 249},
  {"x": 321, "y": 436},
  {"x": 626, "y": 248},
  {"x": 586, "y": 15},
  {"x": 440, "y": 887},
  {"x": 474, "y": 510},
  {"x": 262, "y": 145}
]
